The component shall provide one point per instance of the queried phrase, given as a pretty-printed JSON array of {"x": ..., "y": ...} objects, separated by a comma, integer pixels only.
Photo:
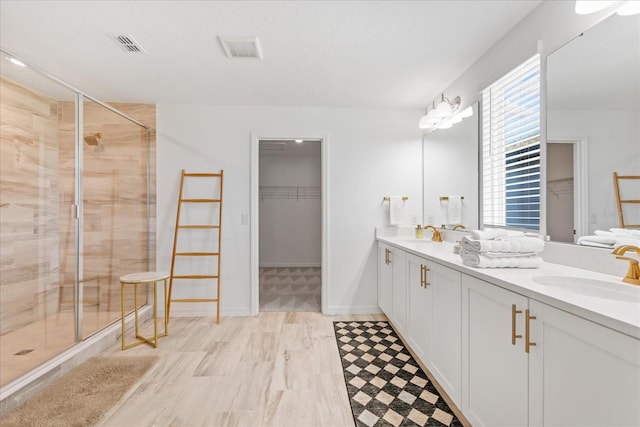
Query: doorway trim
[
  {"x": 254, "y": 206},
  {"x": 580, "y": 183}
]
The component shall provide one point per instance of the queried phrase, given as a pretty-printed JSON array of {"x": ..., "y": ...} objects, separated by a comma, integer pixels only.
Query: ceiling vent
[
  {"x": 241, "y": 47},
  {"x": 128, "y": 43}
]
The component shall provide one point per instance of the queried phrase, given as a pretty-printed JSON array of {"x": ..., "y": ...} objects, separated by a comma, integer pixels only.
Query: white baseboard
[
  {"x": 347, "y": 309},
  {"x": 289, "y": 264}
]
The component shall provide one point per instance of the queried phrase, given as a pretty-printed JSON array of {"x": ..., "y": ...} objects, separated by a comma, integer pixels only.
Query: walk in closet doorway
[{"x": 290, "y": 225}]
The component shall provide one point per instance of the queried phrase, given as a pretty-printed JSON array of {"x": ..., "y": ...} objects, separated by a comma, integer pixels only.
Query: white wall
[
  {"x": 553, "y": 24},
  {"x": 613, "y": 146},
  {"x": 290, "y": 229},
  {"x": 371, "y": 153}
]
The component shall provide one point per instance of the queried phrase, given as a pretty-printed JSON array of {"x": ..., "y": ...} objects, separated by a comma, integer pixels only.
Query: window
[{"x": 511, "y": 149}]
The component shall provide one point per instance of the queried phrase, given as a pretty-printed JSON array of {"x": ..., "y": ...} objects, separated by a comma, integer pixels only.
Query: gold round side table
[{"x": 145, "y": 278}]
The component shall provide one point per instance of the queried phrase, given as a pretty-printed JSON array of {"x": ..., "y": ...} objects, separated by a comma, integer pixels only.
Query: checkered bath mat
[{"x": 386, "y": 386}]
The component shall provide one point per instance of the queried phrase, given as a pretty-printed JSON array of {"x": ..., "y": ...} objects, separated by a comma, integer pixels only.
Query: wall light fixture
[{"x": 444, "y": 114}]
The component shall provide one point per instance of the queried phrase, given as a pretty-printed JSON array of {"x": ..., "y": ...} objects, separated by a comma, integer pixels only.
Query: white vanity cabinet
[
  {"x": 434, "y": 327},
  {"x": 563, "y": 370},
  {"x": 392, "y": 290},
  {"x": 581, "y": 373},
  {"x": 495, "y": 372}
]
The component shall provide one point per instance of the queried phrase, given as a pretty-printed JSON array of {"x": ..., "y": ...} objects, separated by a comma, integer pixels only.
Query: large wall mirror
[
  {"x": 450, "y": 169},
  {"x": 593, "y": 129}
]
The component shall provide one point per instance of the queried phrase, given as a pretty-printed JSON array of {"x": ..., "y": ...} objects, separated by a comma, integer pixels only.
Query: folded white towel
[
  {"x": 475, "y": 259},
  {"x": 594, "y": 244},
  {"x": 603, "y": 240},
  {"x": 495, "y": 233},
  {"x": 625, "y": 232},
  {"x": 512, "y": 245},
  {"x": 509, "y": 254}
]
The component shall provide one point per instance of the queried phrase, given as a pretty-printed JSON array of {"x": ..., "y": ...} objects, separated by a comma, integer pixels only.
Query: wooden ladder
[
  {"x": 616, "y": 186},
  {"x": 214, "y": 253}
]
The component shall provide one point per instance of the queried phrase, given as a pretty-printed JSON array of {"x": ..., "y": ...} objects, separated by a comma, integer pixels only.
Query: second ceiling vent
[
  {"x": 127, "y": 43},
  {"x": 241, "y": 47}
]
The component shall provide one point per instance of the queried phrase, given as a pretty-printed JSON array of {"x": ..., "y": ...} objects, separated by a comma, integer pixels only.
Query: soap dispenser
[{"x": 418, "y": 231}]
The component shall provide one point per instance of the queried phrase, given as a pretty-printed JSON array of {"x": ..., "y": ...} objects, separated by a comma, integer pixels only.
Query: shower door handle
[{"x": 75, "y": 211}]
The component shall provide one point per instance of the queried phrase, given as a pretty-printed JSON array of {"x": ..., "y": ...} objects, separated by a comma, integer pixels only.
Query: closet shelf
[{"x": 289, "y": 192}]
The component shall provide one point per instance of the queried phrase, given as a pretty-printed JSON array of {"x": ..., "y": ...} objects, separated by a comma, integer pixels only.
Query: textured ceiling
[{"x": 316, "y": 53}]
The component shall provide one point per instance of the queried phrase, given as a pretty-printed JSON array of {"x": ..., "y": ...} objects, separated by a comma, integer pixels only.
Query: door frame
[{"x": 254, "y": 206}]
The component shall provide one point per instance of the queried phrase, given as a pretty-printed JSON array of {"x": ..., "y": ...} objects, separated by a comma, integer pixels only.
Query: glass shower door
[
  {"x": 37, "y": 225},
  {"x": 114, "y": 227}
]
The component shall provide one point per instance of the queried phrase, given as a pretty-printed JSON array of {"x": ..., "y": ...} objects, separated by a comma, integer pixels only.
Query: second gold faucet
[
  {"x": 436, "y": 237},
  {"x": 633, "y": 274}
]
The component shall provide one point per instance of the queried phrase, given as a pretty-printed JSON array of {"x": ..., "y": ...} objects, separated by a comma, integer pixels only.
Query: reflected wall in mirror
[
  {"x": 450, "y": 168},
  {"x": 593, "y": 129}
]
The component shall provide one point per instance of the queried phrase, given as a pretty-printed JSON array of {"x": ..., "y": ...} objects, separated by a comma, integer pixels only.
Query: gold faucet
[
  {"x": 633, "y": 274},
  {"x": 437, "y": 237},
  {"x": 459, "y": 226}
]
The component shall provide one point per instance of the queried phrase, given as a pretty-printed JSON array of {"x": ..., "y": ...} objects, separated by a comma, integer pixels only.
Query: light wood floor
[{"x": 277, "y": 369}]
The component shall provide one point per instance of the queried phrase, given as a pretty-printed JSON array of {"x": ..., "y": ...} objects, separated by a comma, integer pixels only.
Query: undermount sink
[{"x": 593, "y": 288}]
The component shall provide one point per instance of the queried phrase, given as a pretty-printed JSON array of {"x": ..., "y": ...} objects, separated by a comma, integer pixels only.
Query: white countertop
[{"x": 601, "y": 298}]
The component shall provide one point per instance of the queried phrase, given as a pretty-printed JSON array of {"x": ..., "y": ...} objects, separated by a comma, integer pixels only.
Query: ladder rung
[
  {"x": 198, "y": 226},
  {"x": 195, "y": 276},
  {"x": 629, "y": 201},
  {"x": 200, "y": 200},
  {"x": 197, "y": 253},
  {"x": 203, "y": 174},
  {"x": 195, "y": 300}
]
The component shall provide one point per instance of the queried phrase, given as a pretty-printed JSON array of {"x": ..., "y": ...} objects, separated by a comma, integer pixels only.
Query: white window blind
[{"x": 511, "y": 149}]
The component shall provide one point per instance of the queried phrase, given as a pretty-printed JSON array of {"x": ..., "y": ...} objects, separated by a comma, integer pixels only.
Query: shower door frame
[{"x": 77, "y": 205}]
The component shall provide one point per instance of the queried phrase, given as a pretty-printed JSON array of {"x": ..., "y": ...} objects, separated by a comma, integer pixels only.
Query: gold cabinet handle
[
  {"x": 527, "y": 331},
  {"x": 386, "y": 256},
  {"x": 422, "y": 275},
  {"x": 426, "y": 280},
  {"x": 389, "y": 256},
  {"x": 514, "y": 312}
]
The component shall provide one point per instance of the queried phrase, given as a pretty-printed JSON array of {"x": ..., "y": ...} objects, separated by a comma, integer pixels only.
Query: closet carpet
[{"x": 290, "y": 288}]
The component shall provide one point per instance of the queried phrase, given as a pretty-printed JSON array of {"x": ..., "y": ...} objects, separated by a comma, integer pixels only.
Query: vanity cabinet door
[
  {"x": 494, "y": 371},
  {"x": 581, "y": 373},
  {"x": 445, "y": 349},
  {"x": 420, "y": 308},
  {"x": 399, "y": 290},
  {"x": 435, "y": 320},
  {"x": 385, "y": 279}
]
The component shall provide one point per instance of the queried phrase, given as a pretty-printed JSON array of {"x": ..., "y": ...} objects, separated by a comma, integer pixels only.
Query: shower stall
[{"x": 77, "y": 211}]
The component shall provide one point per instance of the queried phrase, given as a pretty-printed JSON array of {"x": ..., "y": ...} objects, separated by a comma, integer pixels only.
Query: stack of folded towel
[
  {"x": 611, "y": 239},
  {"x": 497, "y": 248}
]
